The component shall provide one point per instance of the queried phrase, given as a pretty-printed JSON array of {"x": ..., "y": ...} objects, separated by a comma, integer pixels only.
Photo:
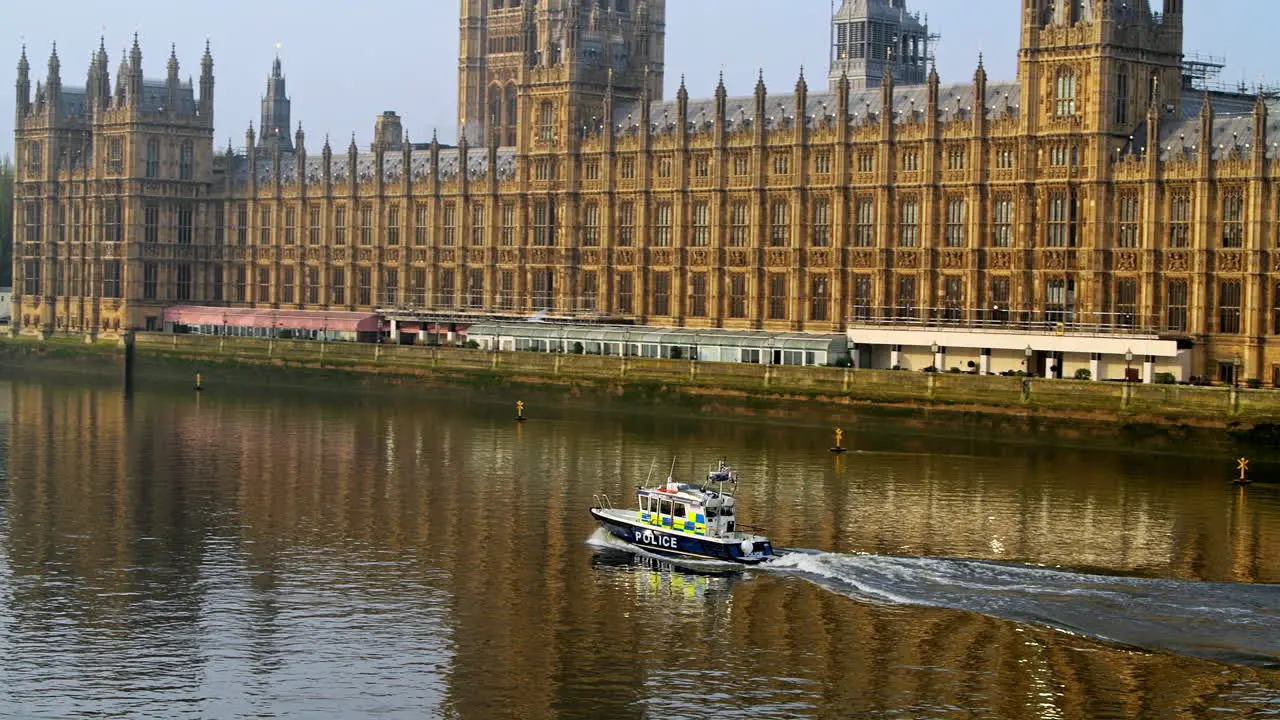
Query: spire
[
  {"x": 721, "y": 92},
  {"x": 173, "y": 59},
  {"x": 206, "y": 84},
  {"x": 760, "y": 87},
  {"x": 352, "y": 149},
  {"x": 299, "y": 138},
  {"x": 23, "y": 86},
  {"x": 275, "y": 68},
  {"x": 327, "y": 150},
  {"x": 24, "y": 67},
  {"x": 980, "y": 75},
  {"x": 801, "y": 85},
  {"x": 135, "y": 55},
  {"x": 55, "y": 65},
  {"x": 206, "y": 62}
]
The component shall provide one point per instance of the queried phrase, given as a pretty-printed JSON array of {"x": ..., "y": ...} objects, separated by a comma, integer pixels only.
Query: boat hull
[{"x": 683, "y": 545}]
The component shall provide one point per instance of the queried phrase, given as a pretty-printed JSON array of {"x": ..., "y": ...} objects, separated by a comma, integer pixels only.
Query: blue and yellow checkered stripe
[{"x": 697, "y": 526}]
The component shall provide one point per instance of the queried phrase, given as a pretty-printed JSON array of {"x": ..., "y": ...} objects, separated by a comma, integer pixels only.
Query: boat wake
[
  {"x": 601, "y": 539},
  {"x": 1228, "y": 622}
]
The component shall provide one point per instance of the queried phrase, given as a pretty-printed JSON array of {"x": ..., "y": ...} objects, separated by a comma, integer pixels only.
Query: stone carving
[
  {"x": 393, "y": 255},
  {"x": 1001, "y": 260},
  {"x": 862, "y": 259},
  {"x": 448, "y": 255},
  {"x": 1178, "y": 262},
  {"x": 820, "y": 259},
  {"x": 777, "y": 257},
  {"x": 906, "y": 259},
  {"x": 662, "y": 257},
  {"x": 475, "y": 256},
  {"x": 313, "y": 254},
  {"x": 952, "y": 259},
  {"x": 540, "y": 256},
  {"x": 508, "y": 257},
  {"x": 1054, "y": 260},
  {"x": 626, "y": 257},
  {"x": 1231, "y": 262},
  {"x": 290, "y": 254},
  {"x": 1275, "y": 262},
  {"x": 738, "y": 258},
  {"x": 590, "y": 257},
  {"x": 419, "y": 255},
  {"x": 1127, "y": 261},
  {"x": 364, "y": 255},
  {"x": 339, "y": 254}
]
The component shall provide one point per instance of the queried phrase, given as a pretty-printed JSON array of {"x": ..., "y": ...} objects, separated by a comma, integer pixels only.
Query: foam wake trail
[{"x": 1228, "y": 622}]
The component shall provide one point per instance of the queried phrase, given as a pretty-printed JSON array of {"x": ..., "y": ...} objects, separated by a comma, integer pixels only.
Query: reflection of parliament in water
[
  {"x": 390, "y": 481},
  {"x": 1094, "y": 189}
]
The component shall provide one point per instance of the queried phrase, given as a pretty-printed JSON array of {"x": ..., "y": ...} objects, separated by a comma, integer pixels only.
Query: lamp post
[
  {"x": 1128, "y": 360},
  {"x": 1027, "y": 362},
  {"x": 1236, "y": 364},
  {"x": 934, "y": 349}
]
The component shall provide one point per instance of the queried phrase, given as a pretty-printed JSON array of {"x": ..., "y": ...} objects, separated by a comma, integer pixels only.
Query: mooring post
[{"x": 128, "y": 360}]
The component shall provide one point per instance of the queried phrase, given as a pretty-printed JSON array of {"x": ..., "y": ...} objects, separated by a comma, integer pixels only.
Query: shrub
[
  {"x": 1254, "y": 383},
  {"x": 955, "y": 370},
  {"x": 842, "y": 362},
  {"x": 471, "y": 344},
  {"x": 1084, "y": 374},
  {"x": 1166, "y": 378},
  {"x": 577, "y": 348},
  {"x": 930, "y": 369}
]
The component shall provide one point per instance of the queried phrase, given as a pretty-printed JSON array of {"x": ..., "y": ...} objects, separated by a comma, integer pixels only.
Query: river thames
[{"x": 279, "y": 553}]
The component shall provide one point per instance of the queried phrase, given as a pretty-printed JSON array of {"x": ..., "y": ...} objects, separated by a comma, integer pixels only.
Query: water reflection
[{"x": 277, "y": 554}]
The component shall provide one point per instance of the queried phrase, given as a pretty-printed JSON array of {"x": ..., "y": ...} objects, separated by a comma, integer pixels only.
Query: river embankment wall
[{"x": 689, "y": 382}]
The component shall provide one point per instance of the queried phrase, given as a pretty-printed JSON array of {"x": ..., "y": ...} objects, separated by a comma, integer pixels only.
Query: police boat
[{"x": 681, "y": 520}]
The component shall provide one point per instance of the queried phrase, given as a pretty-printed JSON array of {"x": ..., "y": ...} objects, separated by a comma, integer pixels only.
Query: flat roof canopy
[
  {"x": 709, "y": 337},
  {"x": 335, "y": 321},
  {"x": 995, "y": 339}
]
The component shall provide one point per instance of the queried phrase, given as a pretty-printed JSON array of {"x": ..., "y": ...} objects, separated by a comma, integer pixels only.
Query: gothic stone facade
[{"x": 1089, "y": 191}]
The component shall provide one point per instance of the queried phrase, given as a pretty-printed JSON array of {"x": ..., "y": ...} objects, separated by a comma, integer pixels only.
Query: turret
[
  {"x": 275, "y": 111},
  {"x": 99, "y": 86},
  {"x": 53, "y": 84},
  {"x": 122, "y": 80},
  {"x": 300, "y": 147},
  {"x": 206, "y": 85},
  {"x": 23, "y": 87},
  {"x": 171, "y": 82},
  {"x": 135, "y": 74}
]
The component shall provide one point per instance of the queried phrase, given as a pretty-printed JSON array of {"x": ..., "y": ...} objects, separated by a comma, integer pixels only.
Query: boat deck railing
[{"x": 601, "y": 502}]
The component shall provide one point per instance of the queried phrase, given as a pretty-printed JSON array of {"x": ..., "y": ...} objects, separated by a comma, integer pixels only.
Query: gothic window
[
  {"x": 906, "y": 297},
  {"x": 821, "y": 231},
  {"x": 952, "y": 298},
  {"x": 738, "y": 296},
  {"x": 819, "y": 298},
  {"x": 507, "y": 290},
  {"x": 393, "y": 224},
  {"x": 511, "y": 105},
  {"x": 477, "y": 225},
  {"x": 264, "y": 285},
  {"x": 626, "y": 224},
  {"x": 546, "y": 122},
  {"x": 822, "y": 163},
  {"x": 698, "y": 295},
  {"x": 186, "y": 161},
  {"x": 186, "y": 224},
  {"x": 184, "y": 283},
  {"x": 153, "y": 158},
  {"x": 590, "y": 225},
  {"x": 957, "y": 157},
  {"x": 151, "y": 223},
  {"x": 508, "y": 224},
  {"x": 1233, "y": 218},
  {"x": 864, "y": 219},
  {"x": 1180, "y": 219},
  {"x": 781, "y": 163},
  {"x": 287, "y": 285},
  {"x": 34, "y": 159},
  {"x": 1120, "y": 115},
  {"x": 1006, "y": 158},
  {"x": 910, "y": 160},
  {"x": 701, "y": 236},
  {"x": 664, "y": 166},
  {"x": 1065, "y": 93},
  {"x": 445, "y": 292},
  {"x": 241, "y": 283},
  {"x": 862, "y": 299},
  {"x": 866, "y": 162},
  {"x": 590, "y": 290},
  {"x": 366, "y": 224},
  {"x": 314, "y": 226},
  {"x": 390, "y": 286},
  {"x": 909, "y": 222},
  {"x": 739, "y": 224},
  {"x": 1229, "y": 306},
  {"x": 450, "y": 235},
  {"x": 150, "y": 281},
  {"x": 115, "y": 156},
  {"x": 1061, "y": 226},
  {"x": 702, "y": 166},
  {"x": 421, "y": 224},
  {"x": 778, "y": 296},
  {"x": 626, "y": 292},
  {"x": 628, "y": 168},
  {"x": 1057, "y": 294},
  {"x": 662, "y": 294},
  {"x": 780, "y": 224},
  {"x": 544, "y": 221},
  {"x": 340, "y": 226},
  {"x": 953, "y": 232},
  {"x": 662, "y": 225},
  {"x": 418, "y": 287},
  {"x": 1002, "y": 221},
  {"x": 1129, "y": 221},
  {"x": 34, "y": 217},
  {"x": 264, "y": 226},
  {"x": 338, "y": 287},
  {"x": 311, "y": 281},
  {"x": 544, "y": 290},
  {"x": 1000, "y": 299},
  {"x": 113, "y": 218},
  {"x": 741, "y": 164},
  {"x": 591, "y": 170},
  {"x": 290, "y": 225},
  {"x": 364, "y": 286},
  {"x": 1126, "y": 303},
  {"x": 112, "y": 287},
  {"x": 475, "y": 288}
]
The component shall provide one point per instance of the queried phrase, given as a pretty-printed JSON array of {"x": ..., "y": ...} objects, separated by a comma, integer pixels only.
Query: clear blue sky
[{"x": 348, "y": 61}]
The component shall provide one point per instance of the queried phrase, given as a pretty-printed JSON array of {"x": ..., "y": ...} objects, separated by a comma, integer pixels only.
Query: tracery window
[{"x": 1065, "y": 93}]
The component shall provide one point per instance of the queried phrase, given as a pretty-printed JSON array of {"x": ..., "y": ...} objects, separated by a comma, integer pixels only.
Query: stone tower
[
  {"x": 274, "y": 130},
  {"x": 511, "y": 51},
  {"x": 109, "y": 181},
  {"x": 870, "y": 38}
]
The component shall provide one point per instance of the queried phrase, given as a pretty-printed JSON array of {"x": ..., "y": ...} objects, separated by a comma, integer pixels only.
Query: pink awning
[{"x": 334, "y": 321}]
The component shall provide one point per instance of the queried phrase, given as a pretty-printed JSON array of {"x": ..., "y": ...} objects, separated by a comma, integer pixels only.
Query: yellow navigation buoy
[
  {"x": 839, "y": 446},
  {"x": 520, "y": 411},
  {"x": 199, "y": 383},
  {"x": 1242, "y": 465}
]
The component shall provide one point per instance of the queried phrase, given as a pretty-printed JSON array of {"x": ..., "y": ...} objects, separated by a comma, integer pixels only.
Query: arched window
[
  {"x": 511, "y": 106},
  {"x": 546, "y": 122},
  {"x": 1065, "y": 93},
  {"x": 34, "y": 160},
  {"x": 186, "y": 161},
  {"x": 153, "y": 158}
]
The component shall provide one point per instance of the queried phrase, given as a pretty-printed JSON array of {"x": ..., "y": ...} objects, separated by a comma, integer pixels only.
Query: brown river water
[{"x": 280, "y": 553}]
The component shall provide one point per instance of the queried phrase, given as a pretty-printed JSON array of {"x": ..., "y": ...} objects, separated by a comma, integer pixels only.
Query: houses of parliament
[{"x": 1097, "y": 190}]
